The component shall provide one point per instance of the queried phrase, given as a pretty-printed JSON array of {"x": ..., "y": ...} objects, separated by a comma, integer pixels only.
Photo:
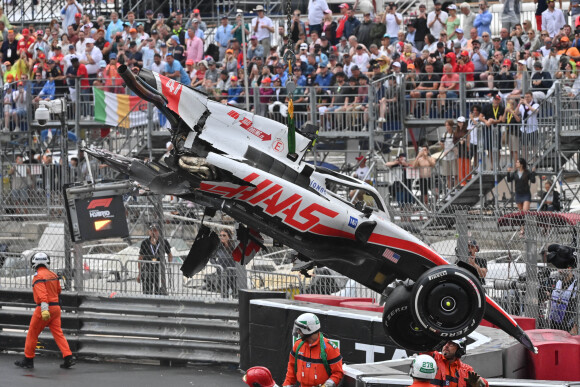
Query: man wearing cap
[
  {"x": 91, "y": 59},
  {"x": 344, "y": 7},
  {"x": 255, "y": 48},
  {"x": 262, "y": 27},
  {"x": 565, "y": 49},
  {"x": 316, "y": 10},
  {"x": 176, "y": 18},
  {"x": 212, "y": 72},
  {"x": 68, "y": 12},
  {"x": 196, "y": 15},
  {"x": 149, "y": 21},
  {"x": 466, "y": 66},
  {"x": 436, "y": 20},
  {"x": 361, "y": 58},
  {"x": 460, "y": 38},
  {"x": 39, "y": 44},
  {"x": 56, "y": 75},
  {"x": 223, "y": 35},
  {"x": 483, "y": 19},
  {"x": 542, "y": 81},
  {"x": 151, "y": 253},
  {"x": 553, "y": 19},
  {"x": 26, "y": 41}
]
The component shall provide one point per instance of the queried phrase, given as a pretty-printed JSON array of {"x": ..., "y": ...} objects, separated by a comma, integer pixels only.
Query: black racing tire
[
  {"x": 447, "y": 302},
  {"x": 399, "y": 325}
]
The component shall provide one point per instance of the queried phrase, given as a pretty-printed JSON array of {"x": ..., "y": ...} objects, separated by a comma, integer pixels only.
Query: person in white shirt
[
  {"x": 91, "y": 58},
  {"x": 436, "y": 20},
  {"x": 361, "y": 58},
  {"x": 460, "y": 37},
  {"x": 262, "y": 27},
  {"x": 81, "y": 44},
  {"x": 148, "y": 50},
  {"x": 158, "y": 65},
  {"x": 528, "y": 112},
  {"x": 316, "y": 10},
  {"x": 553, "y": 19},
  {"x": 393, "y": 21},
  {"x": 68, "y": 12},
  {"x": 467, "y": 18}
]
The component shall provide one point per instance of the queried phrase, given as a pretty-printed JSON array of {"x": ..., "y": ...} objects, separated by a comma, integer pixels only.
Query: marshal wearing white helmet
[
  {"x": 451, "y": 371},
  {"x": 423, "y": 370},
  {"x": 314, "y": 360}
]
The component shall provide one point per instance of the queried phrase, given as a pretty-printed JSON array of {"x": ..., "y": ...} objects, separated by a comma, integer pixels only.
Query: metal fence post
[
  {"x": 462, "y": 230},
  {"x": 559, "y": 121},
  {"x": 462, "y": 95},
  {"x": 531, "y": 300},
  {"x": 158, "y": 213},
  {"x": 78, "y": 265},
  {"x": 313, "y": 112}
]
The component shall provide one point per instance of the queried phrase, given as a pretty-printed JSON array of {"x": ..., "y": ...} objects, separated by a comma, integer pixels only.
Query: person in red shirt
[
  {"x": 80, "y": 72},
  {"x": 25, "y": 42},
  {"x": 423, "y": 370},
  {"x": 45, "y": 290},
  {"x": 314, "y": 360},
  {"x": 451, "y": 371},
  {"x": 465, "y": 65},
  {"x": 344, "y": 7}
]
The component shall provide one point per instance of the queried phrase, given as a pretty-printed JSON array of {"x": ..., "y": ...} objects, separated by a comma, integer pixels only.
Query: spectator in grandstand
[
  {"x": 266, "y": 91},
  {"x": 46, "y": 94},
  {"x": 483, "y": 19},
  {"x": 436, "y": 20},
  {"x": 492, "y": 116},
  {"x": 235, "y": 91},
  {"x": 113, "y": 81},
  {"x": 563, "y": 309},
  {"x": 68, "y": 12},
  {"x": 519, "y": 37},
  {"x": 504, "y": 80},
  {"x": 363, "y": 30},
  {"x": 512, "y": 119},
  {"x": 511, "y": 54},
  {"x": 7, "y": 102},
  {"x": 478, "y": 263},
  {"x": 174, "y": 70},
  {"x": 551, "y": 62},
  {"x": 389, "y": 104},
  {"x": 254, "y": 49},
  {"x": 448, "y": 163},
  {"x": 460, "y": 38},
  {"x": 174, "y": 46},
  {"x": 452, "y": 23},
  {"x": 115, "y": 26},
  {"x": 570, "y": 51},
  {"x": 193, "y": 46},
  {"x": 92, "y": 56},
  {"x": 431, "y": 43},
  {"x": 553, "y": 19},
  {"x": 393, "y": 21},
  {"x": 223, "y": 36},
  {"x": 424, "y": 162},
  {"x": 158, "y": 65},
  {"x": 350, "y": 24},
  {"x": 339, "y": 103},
  {"x": 448, "y": 87},
  {"x": 468, "y": 17},
  {"x": 262, "y": 27},
  {"x": 551, "y": 200},
  {"x": 474, "y": 127},
  {"x": 223, "y": 83},
  {"x": 316, "y": 10},
  {"x": 472, "y": 37},
  {"x": 541, "y": 82},
  {"x": 361, "y": 58},
  {"x": 545, "y": 49},
  {"x": 148, "y": 50},
  {"x": 522, "y": 179},
  {"x": 428, "y": 84},
  {"x": 9, "y": 48},
  {"x": 460, "y": 138},
  {"x": 19, "y": 96},
  {"x": 529, "y": 113}
]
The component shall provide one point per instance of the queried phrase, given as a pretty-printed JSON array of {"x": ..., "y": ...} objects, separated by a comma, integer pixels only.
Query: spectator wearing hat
[
  {"x": 436, "y": 20},
  {"x": 102, "y": 44},
  {"x": 79, "y": 71},
  {"x": 571, "y": 52},
  {"x": 265, "y": 91},
  {"x": 262, "y": 26},
  {"x": 199, "y": 74},
  {"x": 26, "y": 41},
  {"x": 39, "y": 44},
  {"x": 255, "y": 48},
  {"x": 93, "y": 56},
  {"x": 176, "y": 19},
  {"x": 178, "y": 31},
  {"x": 174, "y": 46},
  {"x": 56, "y": 75},
  {"x": 466, "y": 66},
  {"x": 115, "y": 25},
  {"x": 461, "y": 139},
  {"x": 542, "y": 81},
  {"x": 113, "y": 81},
  {"x": 68, "y": 12},
  {"x": 386, "y": 48},
  {"x": 483, "y": 19},
  {"x": 316, "y": 9},
  {"x": 149, "y": 21},
  {"x": 324, "y": 77},
  {"x": 196, "y": 18},
  {"x": 363, "y": 30},
  {"x": 553, "y": 19},
  {"x": 344, "y": 7},
  {"x": 212, "y": 72},
  {"x": 223, "y": 83},
  {"x": 399, "y": 187},
  {"x": 460, "y": 38},
  {"x": 329, "y": 27},
  {"x": 453, "y": 22},
  {"x": 223, "y": 36},
  {"x": 361, "y": 58}
]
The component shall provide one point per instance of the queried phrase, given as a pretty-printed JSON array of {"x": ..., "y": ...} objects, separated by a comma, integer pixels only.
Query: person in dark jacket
[
  {"x": 350, "y": 24},
  {"x": 551, "y": 200},
  {"x": 363, "y": 30},
  {"x": 223, "y": 280},
  {"x": 522, "y": 178}
]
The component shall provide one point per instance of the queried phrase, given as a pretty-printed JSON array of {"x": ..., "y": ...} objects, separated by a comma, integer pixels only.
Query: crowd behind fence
[{"x": 512, "y": 249}]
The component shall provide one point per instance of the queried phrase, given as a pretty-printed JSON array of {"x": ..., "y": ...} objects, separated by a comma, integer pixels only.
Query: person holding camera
[{"x": 393, "y": 21}]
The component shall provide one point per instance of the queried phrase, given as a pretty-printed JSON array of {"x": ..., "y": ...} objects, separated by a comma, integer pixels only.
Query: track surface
[{"x": 47, "y": 373}]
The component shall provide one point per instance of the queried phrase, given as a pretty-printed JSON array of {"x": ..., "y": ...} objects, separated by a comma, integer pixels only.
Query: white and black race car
[{"x": 232, "y": 160}]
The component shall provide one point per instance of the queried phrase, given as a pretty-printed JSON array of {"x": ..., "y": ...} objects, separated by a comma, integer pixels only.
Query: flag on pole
[{"x": 113, "y": 109}]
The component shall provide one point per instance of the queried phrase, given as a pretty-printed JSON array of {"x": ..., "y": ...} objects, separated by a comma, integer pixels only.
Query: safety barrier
[{"x": 170, "y": 330}]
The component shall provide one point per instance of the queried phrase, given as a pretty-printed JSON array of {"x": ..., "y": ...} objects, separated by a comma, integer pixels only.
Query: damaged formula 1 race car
[{"x": 228, "y": 159}]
